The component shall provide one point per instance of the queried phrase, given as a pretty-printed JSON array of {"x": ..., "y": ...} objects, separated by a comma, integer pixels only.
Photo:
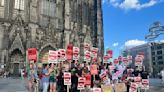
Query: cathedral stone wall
[{"x": 47, "y": 24}]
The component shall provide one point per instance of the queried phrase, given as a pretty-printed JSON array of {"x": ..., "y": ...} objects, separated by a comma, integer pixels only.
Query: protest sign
[
  {"x": 59, "y": 55},
  {"x": 81, "y": 83},
  {"x": 67, "y": 78},
  {"x": 52, "y": 56},
  {"x": 107, "y": 88},
  {"x": 145, "y": 84},
  {"x": 120, "y": 87},
  {"x": 88, "y": 80},
  {"x": 62, "y": 54},
  {"x": 110, "y": 53},
  {"x": 76, "y": 52},
  {"x": 137, "y": 80},
  {"x": 103, "y": 76},
  {"x": 138, "y": 60},
  {"x": 87, "y": 56},
  {"x": 93, "y": 69},
  {"x": 69, "y": 52},
  {"x": 96, "y": 89},
  {"x": 133, "y": 87},
  {"x": 32, "y": 54},
  {"x": 86, "y": 46},
  {"x": 106, "y": 58},
  {"x": 111, "y": 68},
  {"x": 94, "y": 51}
]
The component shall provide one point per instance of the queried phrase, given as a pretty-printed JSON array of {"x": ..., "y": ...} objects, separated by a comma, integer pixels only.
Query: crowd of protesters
[{"x": 52, "y": 78}]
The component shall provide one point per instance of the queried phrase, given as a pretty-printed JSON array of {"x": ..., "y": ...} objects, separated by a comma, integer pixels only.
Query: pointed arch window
[
  {"x": 2, "y": 2},
  {"x": 19, "y": 4},
  {"x": 48, "y": 7}
]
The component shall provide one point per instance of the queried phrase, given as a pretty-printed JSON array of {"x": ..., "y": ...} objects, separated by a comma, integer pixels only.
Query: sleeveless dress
[{"x": 52, "y": 78}]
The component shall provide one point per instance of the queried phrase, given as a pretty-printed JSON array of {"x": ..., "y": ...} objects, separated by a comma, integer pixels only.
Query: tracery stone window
[{"x": 19, "y": 4}]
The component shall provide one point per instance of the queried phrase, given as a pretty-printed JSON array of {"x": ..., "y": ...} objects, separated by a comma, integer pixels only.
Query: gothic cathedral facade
[{"x": 47, "y": 25}]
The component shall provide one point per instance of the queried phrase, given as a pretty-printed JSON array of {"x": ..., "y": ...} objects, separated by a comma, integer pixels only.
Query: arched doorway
[
  {"x": 43, "y": 55},
  {"x": 17, "y": 62}
]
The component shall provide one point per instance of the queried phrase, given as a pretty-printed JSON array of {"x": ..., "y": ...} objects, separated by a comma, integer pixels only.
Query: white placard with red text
[
  {"x": 133, "y": 87},
  {"x": 62, "y": 54},
  {"x": 94, "y": 51},
  {"x": 67, "y": 78},
  {"x": 96, "y": 89},
  {"x": 106, "y": 58},
  {"x": 76, "y": 52},
  {"x": 145, "y": 84},
  {"x": 137, "y": 80},
  {"x": 87, "y": 56},
  {"x": 139, "y": 60},
  {"x": 52, "y": 56},
  {"x": 81, "y": 83},
  {"x": 111, "y": 68}
]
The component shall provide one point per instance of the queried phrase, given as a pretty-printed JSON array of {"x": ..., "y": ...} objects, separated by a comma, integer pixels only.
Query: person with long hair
[
  {"x": 32, "y": 76},
  {"x": 52, "y": 78}
]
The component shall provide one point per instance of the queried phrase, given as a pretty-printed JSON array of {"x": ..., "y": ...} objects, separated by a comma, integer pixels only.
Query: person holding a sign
[
  {"x": 52, "y": 78},
  {"x": 78, "y": 73}
]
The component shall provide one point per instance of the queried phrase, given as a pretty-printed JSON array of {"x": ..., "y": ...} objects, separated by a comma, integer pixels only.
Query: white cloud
[
  {"x": 133, "y": 4},
  {"x": 115, "y": 44},
  {"x": 133, "y": 43}
]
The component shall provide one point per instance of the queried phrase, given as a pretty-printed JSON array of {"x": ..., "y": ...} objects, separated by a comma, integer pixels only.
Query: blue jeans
[{"x": 45, "y": 86}]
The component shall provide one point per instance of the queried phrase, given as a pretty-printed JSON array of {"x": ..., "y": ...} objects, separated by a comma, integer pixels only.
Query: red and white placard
[
  {"x": 88, "y": 80},
  {"x": 111, "y": 68},
  {"x": 137, "y": 80},
  {"x": 96, "y": 89},
  {"x": 106, "y": 58},
  {"x": 62, "y": 54},
  {"x": 52, "y": 56},
  {"x": 103, "y": 76},
  {"x": 145, "y": 84},
  {"x": 110, "y": 53},
  {"x": 94, "y": 51},
  {"x": 87, "y": 56},
  {"x": 69, "y": 52},
  {"x": 67, "y": 78},
  {"x": 81, "y": 83},
  {"x": 76, "y": 52},
  {"x": 86, "y": 46},
  {"x": 139, "y": 60},
  {"x": 133, "y": 87},
  {"x": 32, "y": 54}
]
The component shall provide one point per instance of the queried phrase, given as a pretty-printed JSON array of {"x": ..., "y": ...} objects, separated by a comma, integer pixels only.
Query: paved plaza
[{"x": 18, "y": 85}]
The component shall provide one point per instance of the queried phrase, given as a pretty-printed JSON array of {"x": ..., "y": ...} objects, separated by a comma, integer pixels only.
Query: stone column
[{"x": 100, "y": 36}]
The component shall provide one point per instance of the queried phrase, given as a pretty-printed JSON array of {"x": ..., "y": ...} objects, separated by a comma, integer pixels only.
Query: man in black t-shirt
[{"x": 78, "y": 73}]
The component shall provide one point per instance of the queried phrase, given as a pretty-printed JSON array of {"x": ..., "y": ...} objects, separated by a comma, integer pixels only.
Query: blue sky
[{"x": 126, "y": 22}]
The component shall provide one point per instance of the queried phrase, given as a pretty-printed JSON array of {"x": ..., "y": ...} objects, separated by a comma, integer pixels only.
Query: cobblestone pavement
[{"x": 18, "y": 85}]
